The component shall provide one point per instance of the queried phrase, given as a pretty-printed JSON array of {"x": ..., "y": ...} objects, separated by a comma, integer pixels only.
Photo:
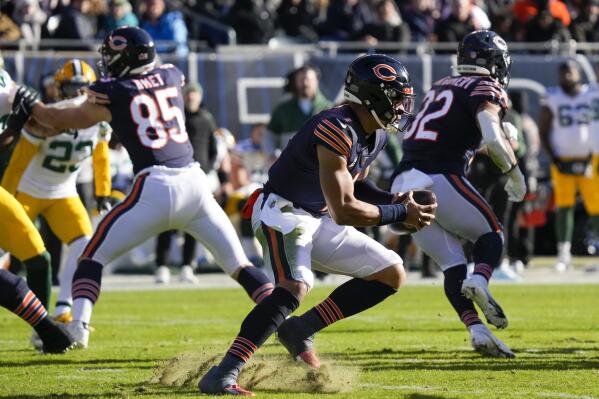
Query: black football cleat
[
  {"x": 296, "y": 339},
  {"x": 55, "y": 338},
  {"x": 216, "y": 383}
]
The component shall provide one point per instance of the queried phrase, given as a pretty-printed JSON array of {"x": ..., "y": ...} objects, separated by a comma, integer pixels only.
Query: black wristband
[{"x": 392, "y": 213}]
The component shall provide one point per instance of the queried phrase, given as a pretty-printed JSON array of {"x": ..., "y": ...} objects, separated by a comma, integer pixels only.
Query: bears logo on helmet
[
  {"x": 484, "y": 52},
  {"x": 125, "y": 51}
]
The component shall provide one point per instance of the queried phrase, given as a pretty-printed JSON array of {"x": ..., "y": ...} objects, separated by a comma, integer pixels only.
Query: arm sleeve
[
  {"x": 21, "y": 157},
  {"x": 101, "y": 161},
  {"x": 367, "y": 191},
  {"x": 330, "y": 134}
]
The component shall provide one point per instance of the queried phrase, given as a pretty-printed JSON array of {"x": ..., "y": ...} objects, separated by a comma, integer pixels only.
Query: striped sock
[
  {"x": 242, "y": 348},
  {"x": 470, "y": 317},
  {"x": 31, "y": 309},
  {"x": 484, "y": 270},
  {"x": 255, "y": 283},
  {"x": 352, "y": 297},
  {"x": 87, "y": 280}
]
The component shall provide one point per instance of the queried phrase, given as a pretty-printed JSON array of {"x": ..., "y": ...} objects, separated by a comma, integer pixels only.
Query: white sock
[
  {"x": 82, "y": 310},
  {"x": 480, "y": 278},
  {"x": 563, "y": 252},
  {"x": 66, "y": 275}
]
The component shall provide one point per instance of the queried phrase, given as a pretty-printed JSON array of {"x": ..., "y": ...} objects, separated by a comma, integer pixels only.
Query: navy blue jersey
[
  {"x": 148, "y": 116},
  {"x": 444, "y": 134},
  {"x": 295, "y": 176}
]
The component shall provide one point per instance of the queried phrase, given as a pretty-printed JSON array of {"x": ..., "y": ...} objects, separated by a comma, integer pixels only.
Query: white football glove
[
  {"x": 516, "y": 185},
  {"x": 510, "y": 130}
]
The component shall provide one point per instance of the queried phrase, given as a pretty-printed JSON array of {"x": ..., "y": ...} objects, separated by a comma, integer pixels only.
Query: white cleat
[
  {"x": 476, "y": 289},
  {"x": 484, "y": 342},
  {"x": 80, "y": 333},
  {"x": 163, "y": 275},
  {"x": 562, "y": 267},
  {"x": 187, "y": 275},
  {"x": 505, "y": 272}
]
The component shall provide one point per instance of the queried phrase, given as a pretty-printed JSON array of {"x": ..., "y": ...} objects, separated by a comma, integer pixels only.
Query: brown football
[{"x": 422, "y": 197}]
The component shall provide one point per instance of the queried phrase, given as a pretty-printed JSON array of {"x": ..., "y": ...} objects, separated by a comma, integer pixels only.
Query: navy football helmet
[
  {"x": 381, "y": 84},
  {"x": 127, "y": 50},
  {"x": 484, "y": 52}
]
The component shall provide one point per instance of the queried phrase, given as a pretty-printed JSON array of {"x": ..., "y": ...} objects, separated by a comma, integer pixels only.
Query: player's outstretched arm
[
  {"x": 499, "y": 149},
  {"x": 545, "y": 121},
  {"x": 338, "y": 188},
  {"x": 60, "y": 118}
]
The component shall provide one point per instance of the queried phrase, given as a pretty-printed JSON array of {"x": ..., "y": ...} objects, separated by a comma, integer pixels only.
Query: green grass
[{"x": 411, "y": 346}]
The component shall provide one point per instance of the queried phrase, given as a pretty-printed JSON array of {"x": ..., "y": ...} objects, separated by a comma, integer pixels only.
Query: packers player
[
  {"x": 19, "y": 237},
  {"x": 42, "y": 175},
  {"x": 564, "y": 130}
]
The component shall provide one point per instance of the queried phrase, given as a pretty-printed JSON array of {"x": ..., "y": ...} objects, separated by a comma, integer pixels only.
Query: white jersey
[
  {"x": 7, "y": 90},
  {"x": 593, "y": 100},
  {"x": 53, "y": 171},
  {"x": 570, "y": 135}
]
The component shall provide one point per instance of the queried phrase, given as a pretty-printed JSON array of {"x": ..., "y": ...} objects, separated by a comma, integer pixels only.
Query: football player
[
  {"x": 42, "y": 175},
  {"x": 306, "y": 213},
  {"x": 19, "y": 236},
  {"x": 144, "y": 105},
  {"x": 455, "y": 115},
  {"x": 564, "y": 129}
]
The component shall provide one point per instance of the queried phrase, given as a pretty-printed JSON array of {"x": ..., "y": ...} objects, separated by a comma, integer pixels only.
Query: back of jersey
[
  {"x": 148, "y": 116},
  {"x": 444, "y": 133}
]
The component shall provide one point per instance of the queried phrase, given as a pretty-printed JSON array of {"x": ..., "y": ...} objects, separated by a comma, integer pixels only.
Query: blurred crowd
[{"x": 305, "y": 21}]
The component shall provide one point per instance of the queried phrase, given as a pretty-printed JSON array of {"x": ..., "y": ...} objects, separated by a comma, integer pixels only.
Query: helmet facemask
[{"x": 394, "y": 112}]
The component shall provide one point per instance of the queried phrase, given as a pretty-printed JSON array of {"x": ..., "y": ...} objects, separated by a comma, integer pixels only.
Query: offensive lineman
[
  {"x": 144, "y": 106},
  {"x": 42, "y": 176},
  {"x": 454, "y": 116},
  {"x": 305, "y": 215},
  {"x": 19, "y": 236},
  {"x": 564, "y": 129}
]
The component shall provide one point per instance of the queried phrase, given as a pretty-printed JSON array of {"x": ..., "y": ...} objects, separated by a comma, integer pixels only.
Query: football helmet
[
  {"x": 127, "y": 50},
  {"x": 381, "y": 84},
  {"x": 72, "y": 76},
  {"x": 484, "y": 52}
]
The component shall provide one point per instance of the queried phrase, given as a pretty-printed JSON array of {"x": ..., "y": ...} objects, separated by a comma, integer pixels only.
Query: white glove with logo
[{"x": 516, "y": 185}]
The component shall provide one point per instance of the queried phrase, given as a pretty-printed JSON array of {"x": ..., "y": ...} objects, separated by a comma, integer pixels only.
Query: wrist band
[{"x": 392, "y": 213}]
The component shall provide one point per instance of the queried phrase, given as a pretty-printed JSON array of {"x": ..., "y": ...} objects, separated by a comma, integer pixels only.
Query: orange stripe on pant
[
  {"x": 116, "y": 211},
  {"x": 481, "y": 204},
  {"x": 276, "y": 253}
]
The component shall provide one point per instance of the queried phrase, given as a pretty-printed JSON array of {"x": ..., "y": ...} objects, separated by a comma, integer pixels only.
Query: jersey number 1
[
  {"x": 418, "y": 128},
  {"x": 150, "y": 127}
]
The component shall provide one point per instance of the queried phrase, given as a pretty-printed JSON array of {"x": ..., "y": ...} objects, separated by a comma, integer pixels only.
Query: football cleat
[
  {"x": 294, "y": 337},
  {"x": 163, "y": 275},
  {"x": 187, "y": 275},
  {"x": 80, "y": 333},
  {"x": 56, "y": 339},
  {"x": 64, "y": 317},
  {"x": 216, "y": 383},
  {"x": 484, "y": 342},
  {"x": 477, "y": 290},
  {"x": 36, "y": 341}
]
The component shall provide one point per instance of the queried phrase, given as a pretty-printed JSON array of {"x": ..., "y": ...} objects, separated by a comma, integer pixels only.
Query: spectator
[
  {"x": 458, "y": 24},
  {"x": 586, "y": 26},
  {"x": 545, "y": 27},
  {"x": 525, "y": 10},
  {"x": 252, "y": 22},
  {"x": 505, "y": 26},
  {"x": 75, "y": 23},
  {"x": 389, "y": 26},
  {"x": 288, "y": 116},
  {"x": 8, "y": 29},
  {"x": 167, "y": 28},
  {"x": 30, "y": 18},
  {"x": 420, "y": 16},
  {"x": 297, "y": 19},
  {"x": 345, "y": 18},
  {"x": 121, "y": 14}
]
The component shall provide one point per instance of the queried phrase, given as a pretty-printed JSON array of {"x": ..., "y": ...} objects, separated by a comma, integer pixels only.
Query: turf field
[{"x": 153, "y": 344}]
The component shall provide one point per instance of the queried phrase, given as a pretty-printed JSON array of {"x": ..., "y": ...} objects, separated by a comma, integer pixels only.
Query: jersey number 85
[{"x": 158, "y": 111}]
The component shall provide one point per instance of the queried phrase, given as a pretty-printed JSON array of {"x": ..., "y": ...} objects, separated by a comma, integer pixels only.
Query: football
[{"x": 422, "y": 197}]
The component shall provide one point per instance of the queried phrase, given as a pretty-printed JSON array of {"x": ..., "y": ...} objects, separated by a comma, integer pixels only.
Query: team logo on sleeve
[
  {"x": 385, "y": 72},
  {"x": 117, "y": 43}
]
